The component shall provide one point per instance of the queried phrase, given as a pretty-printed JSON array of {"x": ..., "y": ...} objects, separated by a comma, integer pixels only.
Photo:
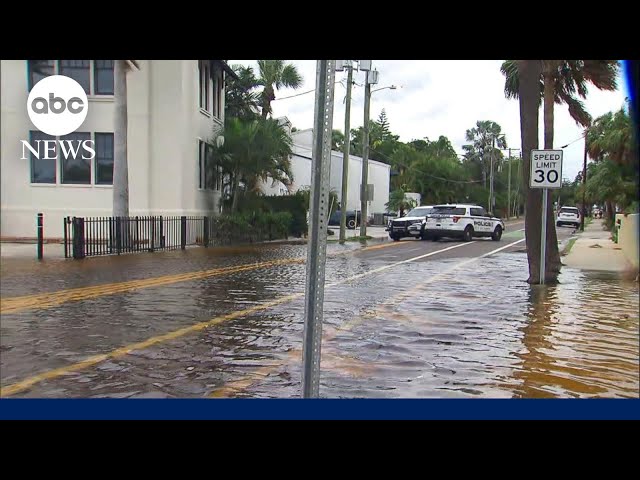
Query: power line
[{"x": 303, "y": 93}]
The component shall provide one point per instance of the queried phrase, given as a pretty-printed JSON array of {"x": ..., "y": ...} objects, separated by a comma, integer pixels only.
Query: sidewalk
[
  {"x": 594, "y": 250},
  {"x": 30, "y": 250}
]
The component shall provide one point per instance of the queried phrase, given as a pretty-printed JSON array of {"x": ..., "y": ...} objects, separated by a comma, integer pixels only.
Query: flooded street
[{"x": 409, "y": 319}]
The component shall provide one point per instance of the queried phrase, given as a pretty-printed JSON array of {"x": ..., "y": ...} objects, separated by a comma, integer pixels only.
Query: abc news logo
[{"x": 57, "y": 105}]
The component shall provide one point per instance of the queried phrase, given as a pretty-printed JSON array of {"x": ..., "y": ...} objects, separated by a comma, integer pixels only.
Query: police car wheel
[
  {"x": 351, "y": 223},
  {"x": 467, "y": 235},
  {"x": 497, "y": 234},
  {"x": 395, "y": 239}
]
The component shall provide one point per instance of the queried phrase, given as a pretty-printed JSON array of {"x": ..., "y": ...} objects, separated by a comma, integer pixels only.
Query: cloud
[{"x": 440, "y": 97}]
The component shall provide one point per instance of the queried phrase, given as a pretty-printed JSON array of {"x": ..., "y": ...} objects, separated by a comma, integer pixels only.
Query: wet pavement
[{"x": 420, "y": 319}]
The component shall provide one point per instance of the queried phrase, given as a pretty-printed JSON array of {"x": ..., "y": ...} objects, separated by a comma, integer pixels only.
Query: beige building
[{"x": 175, "y": 111}]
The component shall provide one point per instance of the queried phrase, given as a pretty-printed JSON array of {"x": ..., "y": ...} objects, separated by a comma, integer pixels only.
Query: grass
[
  {"x": 351, "y": 239},
  {"x": 567, "y": 249}
]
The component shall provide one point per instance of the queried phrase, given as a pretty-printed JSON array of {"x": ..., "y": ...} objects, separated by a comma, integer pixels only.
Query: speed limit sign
[{"x": 546, "y": 169}]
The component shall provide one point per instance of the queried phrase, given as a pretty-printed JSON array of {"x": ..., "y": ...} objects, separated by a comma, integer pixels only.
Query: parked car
[
  {"x": 404, "y": 226},
  {"x": 334, "y": 220},
  {"x": 462, "y": 221},
  {"x": 568, "y": 216}
]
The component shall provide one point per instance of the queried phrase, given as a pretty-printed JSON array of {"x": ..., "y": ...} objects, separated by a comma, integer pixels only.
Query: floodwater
[{"x": 446, "y": 327}]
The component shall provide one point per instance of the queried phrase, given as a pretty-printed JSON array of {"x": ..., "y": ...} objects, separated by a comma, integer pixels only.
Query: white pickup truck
[{"x": 461, "y": 221}]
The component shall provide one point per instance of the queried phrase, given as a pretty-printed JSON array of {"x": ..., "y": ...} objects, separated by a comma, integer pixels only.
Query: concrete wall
[
  {"x": 164, "y": 125},
  {"x": 628, "y": 237}
]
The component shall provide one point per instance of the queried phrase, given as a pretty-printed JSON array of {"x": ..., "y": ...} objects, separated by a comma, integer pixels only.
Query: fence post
[
  {"x": 78, "y": 238},
  {"x": 161, "y": 233},
  {"x": 65, "y": 226},
  {"x": 183, "y": 232},
  {"x": 40, "y": 235},
  {"x": 118, "y": 234},
  {"x": 205, "y": 233},
  {"x": 153, "y": 233}
]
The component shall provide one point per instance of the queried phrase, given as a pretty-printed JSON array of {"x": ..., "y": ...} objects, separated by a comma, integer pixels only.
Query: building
[
  {"x": 175, "y": 109},
  {"x": 379, "y": 174}
]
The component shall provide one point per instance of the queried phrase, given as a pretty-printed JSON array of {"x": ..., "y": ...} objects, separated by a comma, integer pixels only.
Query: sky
[{"x": 439, "y": 97}]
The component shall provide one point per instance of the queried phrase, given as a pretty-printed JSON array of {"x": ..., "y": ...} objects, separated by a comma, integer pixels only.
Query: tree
[
  {"x": 529, "y": 72},
  {"x": 337, "y": 140},
  {"x": 384, "y": 124},
  {"x": 481, "y": 151},
  {"x": 274, "y": 75},
  {"x": 398, "y": 201},
  {"x": 254, "y": 150},
  {"x": 241, "y": 99}
]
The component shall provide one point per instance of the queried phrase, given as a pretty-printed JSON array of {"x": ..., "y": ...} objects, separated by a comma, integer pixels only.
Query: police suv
[
  {"x": 460, "y": 221},
  {"x": 403, "y": 226}
]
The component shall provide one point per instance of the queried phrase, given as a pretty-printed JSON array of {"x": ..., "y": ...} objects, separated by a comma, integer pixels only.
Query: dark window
[
  {"x": 39, "y": 69},
  {"x": 103, "y": 77},
  {"x": 201, "y": 165},
  {"x": 478, "y": 212},
  {"x": 78, "y": 70},
  {"x": 75, "y": 168},
  {"x": 205, "y": 87},
  {"x": 42, "y": 170},
  {"x": 210, "y": 167},
  {"x": 104, "y": 158},
  {"x": 449, "y": 211}
]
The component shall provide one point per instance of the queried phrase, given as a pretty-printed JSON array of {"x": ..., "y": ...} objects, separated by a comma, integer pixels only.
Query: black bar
[
  {"x": 40, "y": 236},
  {"x": 162, "y": 243},
  {"x": 78, "y": 238},
  {"x": 66, "y": 237},
  {"x": 118, "y": 235},
  {"x": 183, "y": 232}
]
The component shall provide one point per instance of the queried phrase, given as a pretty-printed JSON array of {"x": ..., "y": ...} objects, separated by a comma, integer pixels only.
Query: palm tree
[
  {"x": 398, "y": 201},
  {"x": 275, "y": 74},
  {"x": 481, "y": 150},
  {"x": 562, "y": 81},
  {"x": 254, "y": 150},
  {"x": 241, "y": 101}
]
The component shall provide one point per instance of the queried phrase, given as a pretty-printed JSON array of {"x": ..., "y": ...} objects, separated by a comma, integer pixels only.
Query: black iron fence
[{"x": 94, "y": 236}]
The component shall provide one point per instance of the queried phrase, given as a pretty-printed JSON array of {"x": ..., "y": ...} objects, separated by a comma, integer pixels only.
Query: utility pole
[
  {"x": 365, "y": 159},
  {"x": 509, "y": 189},
  {"x": 345, "y": 157},
  {"x": 318, "y": 216},
  {"x": 584, "y": 182},
  {"x": 493, "y": 147}
]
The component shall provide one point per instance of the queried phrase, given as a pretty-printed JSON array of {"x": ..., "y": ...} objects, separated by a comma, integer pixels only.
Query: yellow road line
[
  {"x": 47, "y": 300},
  {"x": 58, "y": 372},
  {"x": 242, "y": 384}
]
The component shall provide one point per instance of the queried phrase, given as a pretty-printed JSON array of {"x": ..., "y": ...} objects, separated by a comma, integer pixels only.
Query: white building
[
  {"x": 379, "y": 174},
  {"x": 175, "y": 108}
]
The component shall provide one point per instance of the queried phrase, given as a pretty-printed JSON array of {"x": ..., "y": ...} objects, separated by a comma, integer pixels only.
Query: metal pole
[
  {"x": 40, "y": 236},
  {"x": 365, "y": 160},
  {"x": 584, "y": 183},
  {"x": 345, "y": 158},
  {"x": 318, "y": 215},
  {"x": 491, "y": 203},
  {"x": 509, "y": 189},
  {"x": 543, "y": 237}
]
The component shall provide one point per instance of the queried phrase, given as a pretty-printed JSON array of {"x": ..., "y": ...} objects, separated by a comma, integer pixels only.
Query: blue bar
[{"x": 320, "y": 409}]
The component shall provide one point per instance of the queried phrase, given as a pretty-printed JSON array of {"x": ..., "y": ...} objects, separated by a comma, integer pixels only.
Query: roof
[{"x": 225, "y": 67}]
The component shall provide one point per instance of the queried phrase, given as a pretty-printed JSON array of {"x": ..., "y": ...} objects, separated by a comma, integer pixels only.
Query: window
[
  {"x": 39, "y": 69},
  {"x": 210, "y": 177},
  {"x": 103, "y": 77},
  {"x": 78, "y": 70},
  {"x": 217, "y": 94},
  {"x": 74, "y": 168},
  {"x": 446, "y": 210},
  {"x": 104, "y": 159},
  {"x": 478, "y": 212},
  {"x": 95, "y": 76},
  {"x": 205, "y": 85},
  {"x": 43, "y": 170}
]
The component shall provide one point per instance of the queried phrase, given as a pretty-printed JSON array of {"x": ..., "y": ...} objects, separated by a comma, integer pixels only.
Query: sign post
[{"x": 546, "y": 173}]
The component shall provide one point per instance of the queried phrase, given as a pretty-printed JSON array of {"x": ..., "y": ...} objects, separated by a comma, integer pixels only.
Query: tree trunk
[
  {"x": 236, "y": 182},
  {"x": 120, "y": 167},
  {"x": 553, "y": 262},
  {"x": 529, "y": 94}
]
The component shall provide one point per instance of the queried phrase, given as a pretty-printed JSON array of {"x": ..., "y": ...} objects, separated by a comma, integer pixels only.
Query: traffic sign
[{"x": 546, "y": 169}]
